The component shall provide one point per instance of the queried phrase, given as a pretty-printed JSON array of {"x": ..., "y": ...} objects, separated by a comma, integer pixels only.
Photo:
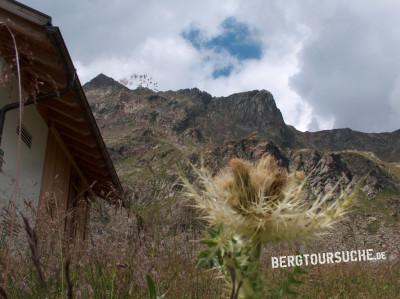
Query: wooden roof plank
[
  {"x": 85, "y": 142},
  {"x": 58, "y": 105},
  {"x": 89, "y": 155},
  {"x": 66, "y": 116},
  {"x": 77, "y": 128}
]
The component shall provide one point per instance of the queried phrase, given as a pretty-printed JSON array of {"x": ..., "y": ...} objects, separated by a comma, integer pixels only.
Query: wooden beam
[
  {"x": 77, "y": 128},
  {"x": 47, "y": 62},
  {"x": 69, "y": 131},
  {"x": 82, "y": 176},
  {"x": 95, "y": 175},
  {"x": 64, "y": 115},
  {"x": 46, "y": 81},
  {"x": 90, "y": 156},
  {"x": 87, "y": 143},
  {"x": 66, "y": 151},
  {"x": 69, "y": 101},
  {"x": 79, "y": 145},
  {"x": 56, "y": 80},
  {"x": 91, "y": 163},
  {"x": 93, "y": 170},
  {"x": 71, "y": 114},
  {"x": 57, "y": 104}
]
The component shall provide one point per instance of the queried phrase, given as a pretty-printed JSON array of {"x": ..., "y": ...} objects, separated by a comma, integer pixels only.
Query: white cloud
[
  {"x": 328, "y": 63},
  {"x": 349, "y": 64},
  {"x": 167, "y": 60}
]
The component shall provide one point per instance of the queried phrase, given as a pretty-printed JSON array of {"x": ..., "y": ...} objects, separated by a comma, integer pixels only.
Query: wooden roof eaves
[
  {"x": 40, "y": 22},
  {"x": 81, "y": 97},
  {"x": 26, "y": 12}
]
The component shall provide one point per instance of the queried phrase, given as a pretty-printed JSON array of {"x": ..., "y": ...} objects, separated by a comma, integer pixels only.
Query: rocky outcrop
[
  {"x": 326, "y": 172},
  {"x": 101, "y": 81},
  {"x": 384, "y": 145},
  {"x": 236, "y": 116}
]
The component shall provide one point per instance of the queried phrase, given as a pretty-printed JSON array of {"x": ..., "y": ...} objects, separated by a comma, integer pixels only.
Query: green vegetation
[
  {"x": 373, "y": 226},
  {"x": 378, "y": 206},
  {"x": 394, "y": 169},
  {"x": 115, "y": 263}
]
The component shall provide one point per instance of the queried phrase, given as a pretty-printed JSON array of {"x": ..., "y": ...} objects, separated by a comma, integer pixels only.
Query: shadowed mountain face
[
  {"x": 147, "y": 129},
  {"x": 191, "y": 115}
]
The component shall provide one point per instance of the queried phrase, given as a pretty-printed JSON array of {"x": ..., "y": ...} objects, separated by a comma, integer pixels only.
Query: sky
[{"x": 328, "y": 63}]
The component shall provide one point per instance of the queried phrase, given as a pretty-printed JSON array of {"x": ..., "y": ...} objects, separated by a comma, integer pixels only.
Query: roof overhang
[
  {"x": 46, "y": 66},
  {"x": 26, "y": 12}
]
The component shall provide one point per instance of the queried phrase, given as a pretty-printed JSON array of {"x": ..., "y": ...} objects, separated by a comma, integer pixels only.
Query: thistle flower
[
  {"x": 262, "y": 199},
  {"x": 251, "y": 203}
]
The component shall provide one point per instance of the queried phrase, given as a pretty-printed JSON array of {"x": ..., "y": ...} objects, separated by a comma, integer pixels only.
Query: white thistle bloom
[{"x": 262, "y": 200}]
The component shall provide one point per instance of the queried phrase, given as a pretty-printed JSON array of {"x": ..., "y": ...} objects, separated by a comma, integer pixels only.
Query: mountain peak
[{"x": 101, "y": 81}]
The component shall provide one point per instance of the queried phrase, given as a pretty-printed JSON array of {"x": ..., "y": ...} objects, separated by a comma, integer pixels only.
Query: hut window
[{"x": 25, "y": 136}]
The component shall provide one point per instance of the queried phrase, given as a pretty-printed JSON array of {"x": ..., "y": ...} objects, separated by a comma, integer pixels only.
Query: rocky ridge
[{"x": 246, "y": 124}]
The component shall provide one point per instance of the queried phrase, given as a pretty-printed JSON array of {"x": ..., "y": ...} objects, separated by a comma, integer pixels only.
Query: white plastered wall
[{"x": 28, "y": 162}]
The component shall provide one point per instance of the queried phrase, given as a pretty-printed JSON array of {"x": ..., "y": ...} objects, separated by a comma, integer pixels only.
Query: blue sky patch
[
  {"x": 236, "y": 38},
  {"x": 222, "y": 72},
  {"x": 194, "y": 37}
]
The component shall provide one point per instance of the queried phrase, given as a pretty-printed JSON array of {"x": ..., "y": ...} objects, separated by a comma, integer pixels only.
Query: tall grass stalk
[{"x": 20, "y": 111}]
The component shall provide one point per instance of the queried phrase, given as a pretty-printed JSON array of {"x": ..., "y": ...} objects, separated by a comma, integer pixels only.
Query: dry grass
[
  {"x": 359, "y": 280},
  {"x": 121, "y": 250},
  {"x": 154, "y": 236}
]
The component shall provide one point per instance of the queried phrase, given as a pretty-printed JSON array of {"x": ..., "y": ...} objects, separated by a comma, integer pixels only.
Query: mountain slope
[
  {"x": 152, "y": 134},
  {"x": 195, "y": 116},
  {"x": 155, "y": 130}
]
